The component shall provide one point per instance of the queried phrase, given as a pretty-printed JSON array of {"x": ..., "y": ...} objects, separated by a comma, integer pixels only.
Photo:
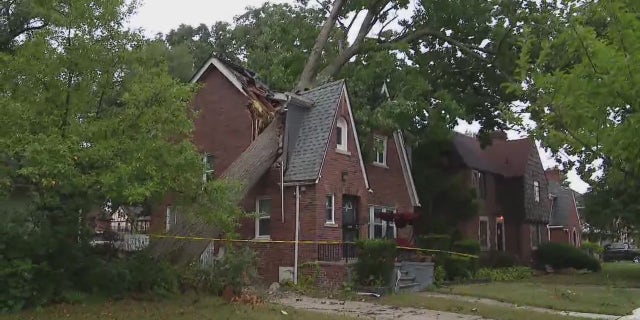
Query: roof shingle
[{"x": 310, "y": 147}]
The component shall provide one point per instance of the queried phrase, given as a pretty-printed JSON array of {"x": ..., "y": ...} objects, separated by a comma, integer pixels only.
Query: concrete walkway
[
  {"x": 536, "y": 309},
  {"x": 367, "y": 310}
]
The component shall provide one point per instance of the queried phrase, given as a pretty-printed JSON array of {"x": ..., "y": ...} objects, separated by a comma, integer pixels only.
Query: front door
[
  {"x": 500, "y": 235},
  {"x": 350, "y": 228}
]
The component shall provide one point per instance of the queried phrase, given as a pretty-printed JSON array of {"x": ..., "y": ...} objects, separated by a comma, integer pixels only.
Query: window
[
  {"x": 171, "y": 218},
  {"x": 536, "y": 191},
  {"x": 380, "y": 150},
  {"x": 341, "y": 134},
  {"x": 379, "y": 228},
  {"x": 483, "y": 233},
  {"x": 208, "y": 161},
  {"x": 330, "y": 209},
  {"x": 536, "y": 235},
  {"x": 263, "y": 219},
  {"x": 479, "y": 183}
]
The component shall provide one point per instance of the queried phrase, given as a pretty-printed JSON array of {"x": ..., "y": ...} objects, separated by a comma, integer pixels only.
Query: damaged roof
[{"x": 307, "y": 153}]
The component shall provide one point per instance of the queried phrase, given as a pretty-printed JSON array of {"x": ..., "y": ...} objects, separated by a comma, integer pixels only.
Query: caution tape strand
[{"x": 162, "y": 236}]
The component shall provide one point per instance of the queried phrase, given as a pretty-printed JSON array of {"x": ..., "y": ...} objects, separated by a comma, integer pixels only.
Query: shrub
[
  {"x": 560, "y": 256},
  {"x": 440, "y": 275},
  {"x": 459, "y": 267},
  {"x": 592, "y": 248},
  {"x": 504, "y": 274},
  {"x": 467, "y": 246},
  {"x": 375, "y": 262},
  {"x": 236, "y": 269},
  {"x": 497, "y": 259},
  {"x": 435, "y": 242}
]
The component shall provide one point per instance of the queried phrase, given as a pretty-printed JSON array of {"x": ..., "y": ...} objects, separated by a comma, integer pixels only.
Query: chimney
[
  {"x": 554, "y": 174},
  {"x": 498, "y": 135}
]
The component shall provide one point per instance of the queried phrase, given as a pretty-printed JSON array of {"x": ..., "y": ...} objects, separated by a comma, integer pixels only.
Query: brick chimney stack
[{"x": 554, "y": 174}]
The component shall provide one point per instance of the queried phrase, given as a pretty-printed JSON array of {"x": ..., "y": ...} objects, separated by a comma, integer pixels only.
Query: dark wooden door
[{"x": 350, "y": 228}]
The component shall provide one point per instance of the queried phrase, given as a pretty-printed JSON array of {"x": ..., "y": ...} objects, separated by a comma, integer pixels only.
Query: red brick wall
[
  {"x": 327, "y": 274},
  {"x": 223, "y": 126},
  {"x": 389, "y": 186},
  {"x": 559, "y": 235},
  {"x": 332, "y": 182}
]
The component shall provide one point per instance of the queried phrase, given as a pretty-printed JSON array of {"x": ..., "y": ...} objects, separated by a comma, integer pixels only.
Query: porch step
[
  {"x": 406, "y": 278},
  {"x": 408, "y": 287}
]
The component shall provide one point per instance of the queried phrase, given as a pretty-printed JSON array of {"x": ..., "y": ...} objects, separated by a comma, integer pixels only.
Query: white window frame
[
  {"x": 331, "y": 221},
  {"x": 536, "y": 228},
  {"x": 206, "y": 170},
  {"x": 383, "y": 224},
  {"x": 171, "y": 218},
  {"x": 484, "y": 246},
  {"x": 384, "y": 140},
  {"x": 536, "y": 191},
  {"x": 342, "y": 124},
  {"x": 261, "y": 217}
]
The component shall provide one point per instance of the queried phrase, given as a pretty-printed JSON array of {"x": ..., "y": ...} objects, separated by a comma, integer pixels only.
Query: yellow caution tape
[{"x": 162, "y": 236}]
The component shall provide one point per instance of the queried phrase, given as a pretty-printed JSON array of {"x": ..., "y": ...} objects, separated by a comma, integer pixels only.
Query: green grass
[
  {"x": 465, "y": 307},
  {"x": 615, "y": 290},
  {"x": 177, "y": 308}
]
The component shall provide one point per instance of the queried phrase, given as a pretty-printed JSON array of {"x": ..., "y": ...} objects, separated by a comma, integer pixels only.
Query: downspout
[
  {"x": 282, "y": 190},
  {"x": 295, "y": 258}
]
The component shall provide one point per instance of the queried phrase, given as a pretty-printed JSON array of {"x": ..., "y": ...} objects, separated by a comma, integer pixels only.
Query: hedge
[{"x": 562, "y": 256}]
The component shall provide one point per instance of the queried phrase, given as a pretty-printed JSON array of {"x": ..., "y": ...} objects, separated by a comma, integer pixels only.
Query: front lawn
[
  {"x": 465, "y": 307},
  {"x": 177, "y": 308},
  {"x": 615, "y": 290}
]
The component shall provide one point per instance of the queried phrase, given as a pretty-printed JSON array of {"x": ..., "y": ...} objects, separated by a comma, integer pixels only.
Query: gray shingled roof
[
  {"x": 307, "y": 155},
  {"x": 561, "y": 206}
]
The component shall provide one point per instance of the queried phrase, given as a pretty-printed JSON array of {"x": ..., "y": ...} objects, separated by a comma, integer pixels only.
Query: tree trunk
[
  {"x": 256, "y": 160},
  {"x": 309, "y": 72},
  {"x": 245, "y": 171}
]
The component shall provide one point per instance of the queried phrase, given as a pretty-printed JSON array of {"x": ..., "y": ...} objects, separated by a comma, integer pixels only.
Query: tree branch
[{"x": 321, "y": 41}]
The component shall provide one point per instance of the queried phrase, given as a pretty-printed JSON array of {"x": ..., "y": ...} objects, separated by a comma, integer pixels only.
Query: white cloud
[{"x": 161, "y": 15}]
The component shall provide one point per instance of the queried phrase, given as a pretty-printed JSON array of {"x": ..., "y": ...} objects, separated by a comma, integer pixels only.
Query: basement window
[{"x": 341, "y": 134}]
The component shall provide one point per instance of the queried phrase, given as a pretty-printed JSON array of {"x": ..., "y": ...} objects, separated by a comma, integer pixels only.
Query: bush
[
  {"x": 467, "y": 246},
  {"x": 504, "y": 274},
  {"x": 435, "y": 242},
  {"x": 592, "y": 248},
  {"x": 561, "y": 256},
  {"x": 497, "y": 259},
  {"x": 375, "y": 263},
  {"x": 236, "y": 269},
  {"x": 459, "y": 267}
]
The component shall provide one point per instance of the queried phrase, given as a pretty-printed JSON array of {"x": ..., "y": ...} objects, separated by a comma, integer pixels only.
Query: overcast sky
[{"x": 162, "y": 15}]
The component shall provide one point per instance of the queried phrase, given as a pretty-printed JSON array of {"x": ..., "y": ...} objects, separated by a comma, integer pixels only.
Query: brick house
[
  {"x": 512, "y": 193},
  {"x": 564, "y": 223},
  {"x": 320, "y": 182}
]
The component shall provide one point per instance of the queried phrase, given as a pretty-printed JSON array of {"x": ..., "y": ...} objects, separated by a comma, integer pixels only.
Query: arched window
[{"x": 341, "y": 134}]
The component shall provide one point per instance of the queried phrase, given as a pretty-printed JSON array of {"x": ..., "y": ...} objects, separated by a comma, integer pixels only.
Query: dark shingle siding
[
  {"x": 308, "y": 153},
  {"x": 536, "y": 211}
]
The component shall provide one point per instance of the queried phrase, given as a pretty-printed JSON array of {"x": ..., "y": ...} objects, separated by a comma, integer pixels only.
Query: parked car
[{"x": 621, "y": 251}]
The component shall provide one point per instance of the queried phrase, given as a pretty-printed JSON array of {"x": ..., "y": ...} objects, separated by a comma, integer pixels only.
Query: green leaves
[{"x": 91, "y": 113}]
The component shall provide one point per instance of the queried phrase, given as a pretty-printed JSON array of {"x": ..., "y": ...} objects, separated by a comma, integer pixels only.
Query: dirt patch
[{"x": 367, "y": 310}]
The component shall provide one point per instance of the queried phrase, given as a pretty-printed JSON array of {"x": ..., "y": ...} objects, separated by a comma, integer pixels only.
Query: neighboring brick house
[
  {"x": 512, "y": 190},
  {"x": 320, "y": 179},
  {"x": 564, "y": 223}
]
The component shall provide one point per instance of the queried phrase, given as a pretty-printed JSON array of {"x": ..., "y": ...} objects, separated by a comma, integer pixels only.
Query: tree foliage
[
  {"x": 579, "y": 72},
  {"x": 90, "y": 114}
]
